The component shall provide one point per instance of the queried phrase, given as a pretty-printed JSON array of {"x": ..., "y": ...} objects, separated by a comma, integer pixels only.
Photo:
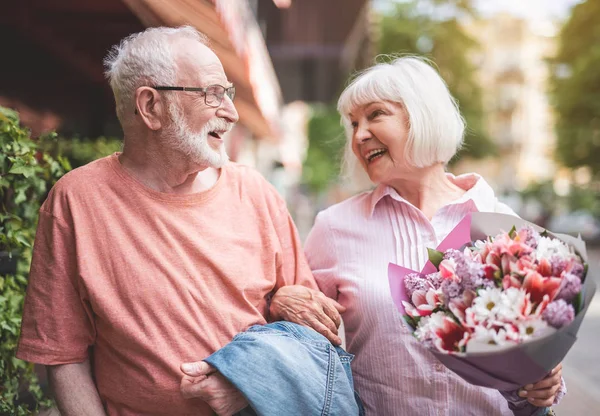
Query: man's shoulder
[
  {"x": 95, "y": 171},
  {"x": 249, "y": 179},
  {"x": 250, "y": 185},
  {"x": 245, "y": 173},
  {"x": 77, "y": 184}
]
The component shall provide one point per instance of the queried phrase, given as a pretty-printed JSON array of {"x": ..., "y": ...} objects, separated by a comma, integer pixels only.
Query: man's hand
[
  {"x": 203, "y": 381},
  {"x": 542, "y": 393},
  {"x": 308, "y": 307}
]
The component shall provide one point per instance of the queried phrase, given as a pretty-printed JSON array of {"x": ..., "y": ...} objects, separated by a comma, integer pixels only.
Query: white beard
[{"x": 195, "y": 145}]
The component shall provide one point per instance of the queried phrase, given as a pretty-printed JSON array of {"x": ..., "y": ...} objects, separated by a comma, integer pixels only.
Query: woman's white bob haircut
[{"x": 436, "y": 127}]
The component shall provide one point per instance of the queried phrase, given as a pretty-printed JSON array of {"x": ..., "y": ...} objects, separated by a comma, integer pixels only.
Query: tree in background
[
  {"x": 326, "y": 142},
  {"x": 575, "y": 89},
  {"x": 432, "y": 28}
]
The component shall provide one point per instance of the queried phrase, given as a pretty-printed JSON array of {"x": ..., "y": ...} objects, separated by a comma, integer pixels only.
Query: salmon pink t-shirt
[{"x": 148, "y": 280}]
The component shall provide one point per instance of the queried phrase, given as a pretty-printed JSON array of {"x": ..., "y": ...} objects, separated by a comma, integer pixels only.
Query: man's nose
[{"x": 227, "y": 110}]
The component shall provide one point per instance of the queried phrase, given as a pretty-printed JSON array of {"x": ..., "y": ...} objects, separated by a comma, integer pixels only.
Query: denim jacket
[{"x": 284, "y": 368}]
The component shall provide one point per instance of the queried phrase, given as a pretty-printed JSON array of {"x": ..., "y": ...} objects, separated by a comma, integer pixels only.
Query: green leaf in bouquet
[
  {"x": 578, "y": 302},
  {"x": 412, "y": 321},
  {"x": 513, "y": 232},
  {"x": 435, "y": 257}
]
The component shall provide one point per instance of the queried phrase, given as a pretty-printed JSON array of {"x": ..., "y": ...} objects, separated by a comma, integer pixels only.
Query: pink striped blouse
[{"x": 349, "y": 249}]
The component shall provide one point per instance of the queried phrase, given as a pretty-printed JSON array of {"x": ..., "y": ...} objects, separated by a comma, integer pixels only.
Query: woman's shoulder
[{"x": 342, "y": 213}]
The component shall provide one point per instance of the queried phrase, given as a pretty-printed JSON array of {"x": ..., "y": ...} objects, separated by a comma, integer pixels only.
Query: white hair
[
  {"x": 195, "y": 145},
  {"x": 436, "y": 128},
  {"x": 144, "y": 58}
]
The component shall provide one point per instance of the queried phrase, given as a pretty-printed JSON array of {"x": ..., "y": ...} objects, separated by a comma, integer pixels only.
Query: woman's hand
[
  {"x": 308, "y": 307},
  {"x": 542, "y": 393}
]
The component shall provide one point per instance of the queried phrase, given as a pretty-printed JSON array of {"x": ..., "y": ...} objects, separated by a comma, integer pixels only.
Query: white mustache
[{"x": 217, "y": 124}]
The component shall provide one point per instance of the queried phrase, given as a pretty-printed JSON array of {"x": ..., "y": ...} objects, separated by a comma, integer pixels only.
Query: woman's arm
[{"x": 309, "y": 307}]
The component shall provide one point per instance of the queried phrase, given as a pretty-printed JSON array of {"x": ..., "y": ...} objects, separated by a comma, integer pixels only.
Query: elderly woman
[{"x": 403, "y": 127}]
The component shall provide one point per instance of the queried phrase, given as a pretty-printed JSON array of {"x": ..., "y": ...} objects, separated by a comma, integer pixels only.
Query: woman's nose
[{"x": 361, "y": 135}]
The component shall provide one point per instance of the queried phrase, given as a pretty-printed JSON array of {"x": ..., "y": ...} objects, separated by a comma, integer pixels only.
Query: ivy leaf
[
  {"x": 26, "y": 171},
  {"x": 22, "y": 240},
  {"x": 20, "y": 197}
]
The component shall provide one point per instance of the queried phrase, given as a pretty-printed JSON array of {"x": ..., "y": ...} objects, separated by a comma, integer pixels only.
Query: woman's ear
[{"x": 149, "y": 106}]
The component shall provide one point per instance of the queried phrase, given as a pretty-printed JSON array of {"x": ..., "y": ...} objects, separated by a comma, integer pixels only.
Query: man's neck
[{"x": 168, "y": 171}]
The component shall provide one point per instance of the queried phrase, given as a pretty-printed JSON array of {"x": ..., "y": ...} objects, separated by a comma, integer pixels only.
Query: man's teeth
[{"x": 374, "y": 153}]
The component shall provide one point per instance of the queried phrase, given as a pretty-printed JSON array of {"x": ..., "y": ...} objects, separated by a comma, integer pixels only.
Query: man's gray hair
[
  {"x": 144, "y": 58},
  {"x": 436, "y": 128}
]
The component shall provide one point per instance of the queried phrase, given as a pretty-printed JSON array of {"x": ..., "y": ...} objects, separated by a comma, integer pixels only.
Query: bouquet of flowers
[{"x": 499, "y": 308}]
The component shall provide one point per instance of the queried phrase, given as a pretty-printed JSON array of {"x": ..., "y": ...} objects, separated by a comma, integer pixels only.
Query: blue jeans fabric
[{"x": 284, "y": 368}]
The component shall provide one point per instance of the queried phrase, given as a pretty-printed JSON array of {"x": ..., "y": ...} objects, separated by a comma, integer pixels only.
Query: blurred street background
[{"x": 525, "y": 73}]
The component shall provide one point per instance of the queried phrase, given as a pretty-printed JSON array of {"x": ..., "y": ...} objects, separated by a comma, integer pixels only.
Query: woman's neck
[{"x": 428, "y": 189}]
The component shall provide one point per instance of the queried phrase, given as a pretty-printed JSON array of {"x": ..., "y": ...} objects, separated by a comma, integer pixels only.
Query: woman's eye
[
  {"x": 354, "y": 124},
  {"x": 376, "y": 113}
]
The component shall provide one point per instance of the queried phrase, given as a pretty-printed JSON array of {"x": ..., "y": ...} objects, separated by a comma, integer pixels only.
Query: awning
[{"x": 238, "y": 42}]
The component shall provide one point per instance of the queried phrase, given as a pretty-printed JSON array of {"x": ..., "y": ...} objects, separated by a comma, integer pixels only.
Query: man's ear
[{"x": 150, "y": 106}]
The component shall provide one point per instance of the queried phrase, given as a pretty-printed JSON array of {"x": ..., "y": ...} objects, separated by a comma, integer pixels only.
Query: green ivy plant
[{"x": 26, "y": 175}]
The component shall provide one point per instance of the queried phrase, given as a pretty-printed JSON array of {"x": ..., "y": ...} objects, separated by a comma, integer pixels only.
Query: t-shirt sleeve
[
  {"x": 58, "y": 325},
  {"x": 321, "y": 256},
  {"x": 291, "y": 262}
]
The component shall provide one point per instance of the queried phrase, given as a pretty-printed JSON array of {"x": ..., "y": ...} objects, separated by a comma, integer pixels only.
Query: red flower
[
  {"x": 451, "y": 337},
  {"x": 538, "y": 286}
]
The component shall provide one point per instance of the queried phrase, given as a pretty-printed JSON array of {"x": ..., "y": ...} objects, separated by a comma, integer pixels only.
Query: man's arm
[{"x": 74, "y": 389}]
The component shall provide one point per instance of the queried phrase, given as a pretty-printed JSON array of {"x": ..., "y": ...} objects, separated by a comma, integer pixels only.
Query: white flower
[
  {"x": 428, "y": 324},
  {"x": 492, "y": 339},
  {"x": 514, "y": 303},
  {"x": 547, "y": 247},
  {"x": 487, "y": 304},
  {"x": 534, "y": 328}
]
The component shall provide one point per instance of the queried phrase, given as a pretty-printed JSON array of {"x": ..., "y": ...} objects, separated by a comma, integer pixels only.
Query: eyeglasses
[{"x": 213, "y": 94}]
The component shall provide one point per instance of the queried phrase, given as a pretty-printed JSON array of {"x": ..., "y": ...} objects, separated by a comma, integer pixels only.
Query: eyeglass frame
[{"x": 204, "y": 90}]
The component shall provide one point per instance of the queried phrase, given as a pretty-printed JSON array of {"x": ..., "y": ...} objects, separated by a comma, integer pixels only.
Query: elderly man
[{"x": 158, "y": 255}]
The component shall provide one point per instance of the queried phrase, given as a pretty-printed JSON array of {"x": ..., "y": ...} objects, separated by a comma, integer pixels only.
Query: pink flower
[
  {"x": 423, "y": 303},
  {"x": 458, "y": 306},
  {"x": 524, "y": 264},
  {"x": 511, "y": 281},
  {"x": 447, "y": 270},
  {"x": 493, "y": 259},
  {"x": 539, "y": 286},
  {"x": 489, "y": 271},
  {"x": 544, "y": 267}
]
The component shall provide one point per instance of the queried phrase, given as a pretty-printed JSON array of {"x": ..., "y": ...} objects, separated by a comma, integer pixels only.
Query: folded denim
[{"x": 284, "y": 368}]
